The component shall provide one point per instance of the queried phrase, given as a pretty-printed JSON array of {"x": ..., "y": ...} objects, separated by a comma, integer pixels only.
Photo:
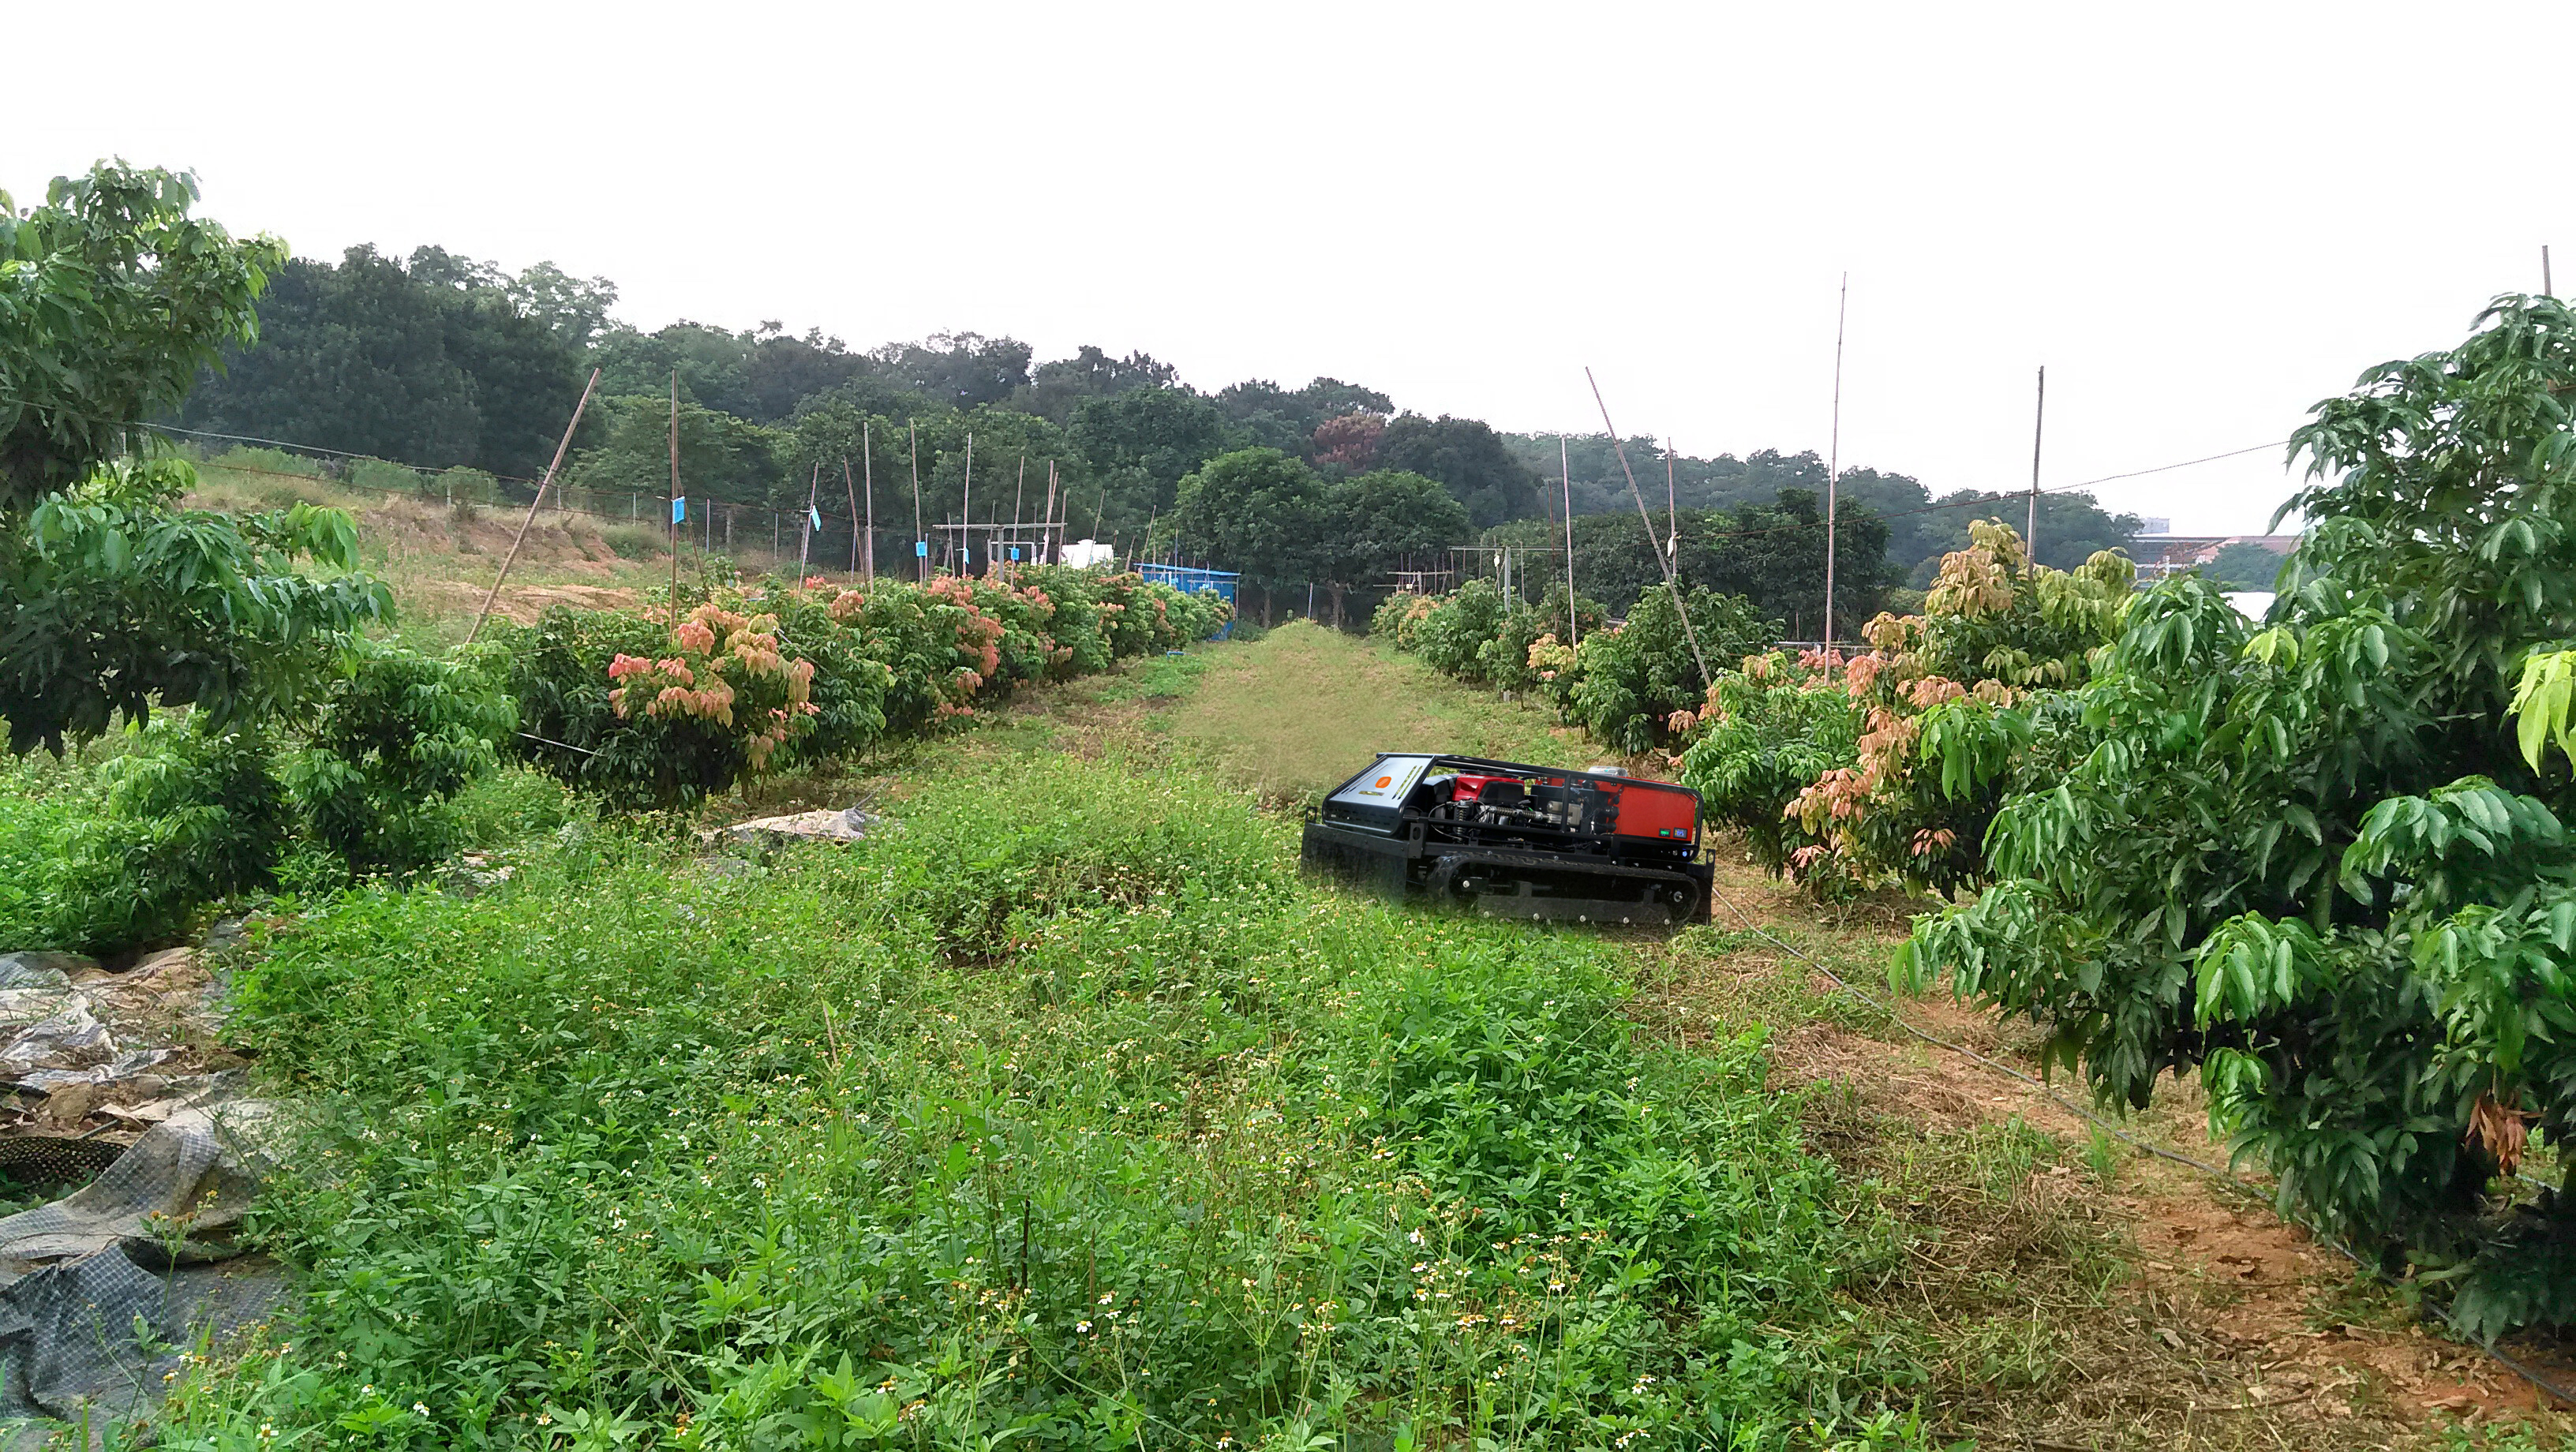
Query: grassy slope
[{"x": 441, "y": 561}]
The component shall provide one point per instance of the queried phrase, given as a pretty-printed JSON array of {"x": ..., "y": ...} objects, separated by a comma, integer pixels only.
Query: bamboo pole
[
  {"x": 675, "y": 499},
  {"x": 1672, "y": 508},
  {"x": 1834, "y": 460},
  {"x": 1573, "y": 616},
  {"x": 920, "y": 541},
  {"x": 1047, "y": 535},
  {"x": 813, "y": 492},
  {"x": 522, "y": 536}
]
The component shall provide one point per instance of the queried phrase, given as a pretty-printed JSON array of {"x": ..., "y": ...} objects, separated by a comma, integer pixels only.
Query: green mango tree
[{"x": 2316, "y": 859}]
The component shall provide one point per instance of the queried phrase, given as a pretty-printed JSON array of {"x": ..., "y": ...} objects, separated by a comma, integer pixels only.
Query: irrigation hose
[{"x": 2439, "y": 1313}]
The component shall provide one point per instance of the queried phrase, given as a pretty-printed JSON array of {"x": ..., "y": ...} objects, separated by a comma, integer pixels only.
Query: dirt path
[{"x": 2214, "y": 1323}]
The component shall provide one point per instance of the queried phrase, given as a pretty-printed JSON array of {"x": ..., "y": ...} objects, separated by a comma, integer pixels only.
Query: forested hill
[{"x": 438, "y": 360}]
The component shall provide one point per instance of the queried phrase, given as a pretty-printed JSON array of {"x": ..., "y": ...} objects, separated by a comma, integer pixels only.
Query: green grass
[
  {"x": 1065, "y": 1115},
  {"x": 1302, "y": 708}
]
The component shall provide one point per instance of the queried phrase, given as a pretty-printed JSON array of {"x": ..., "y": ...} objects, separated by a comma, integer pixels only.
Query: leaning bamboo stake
[
  {"x": 1670, "y": 583},
  {"x": 522, "y": 536}
]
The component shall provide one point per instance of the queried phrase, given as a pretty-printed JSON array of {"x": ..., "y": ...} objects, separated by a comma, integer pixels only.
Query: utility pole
[
  {"x": 2038, "y": 420},
  {"x": 868, "y": 470},
  {"x": 1834, "y": 459},
  {"x": 2546, "y": 288},
  {"x": 1565, "y": 474}
]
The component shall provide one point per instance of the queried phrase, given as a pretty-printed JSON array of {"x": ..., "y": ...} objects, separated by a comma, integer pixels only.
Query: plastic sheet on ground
[
  {"x": 106, "y": 1285},
  {"x": 70, "y": 1036}
]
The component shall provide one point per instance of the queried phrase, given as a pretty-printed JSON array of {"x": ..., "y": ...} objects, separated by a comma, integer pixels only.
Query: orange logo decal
[{"x": 1386, "y": 781}]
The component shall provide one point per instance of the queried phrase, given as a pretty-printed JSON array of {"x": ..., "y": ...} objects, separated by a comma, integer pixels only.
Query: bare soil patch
[{"x": 2081, "y": 1295}]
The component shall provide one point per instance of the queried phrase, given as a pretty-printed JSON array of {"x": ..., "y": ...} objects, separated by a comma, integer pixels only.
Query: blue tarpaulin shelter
[{"x": 1189, "y": 580}]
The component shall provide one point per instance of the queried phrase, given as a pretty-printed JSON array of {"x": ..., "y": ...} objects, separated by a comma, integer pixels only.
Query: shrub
[
  {"x": 851, "y": 667},
  {"x": 1768, "y": 731},
  {"x": 396, "y": 738},
  {"x": 376, "y": 474},
  {"x": 848, "y": 688},
  {"x": 1635, "y": 678},
  {"x": 557, "y": 672},
  {"x": 1948, "y": 713},
  {"x": 635, "y": 542},
  {"x": 1451, "y": 637},
  {"x": 467, "y": 486},
  {"x": 193, "y": 815}
]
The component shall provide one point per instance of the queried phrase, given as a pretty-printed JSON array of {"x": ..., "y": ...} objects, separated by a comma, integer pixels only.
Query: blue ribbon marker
[{"x": 679, "y": 508}]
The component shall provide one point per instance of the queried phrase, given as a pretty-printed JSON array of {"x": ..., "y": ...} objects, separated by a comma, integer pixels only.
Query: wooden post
[
  {"x": 1680, "y": 607},
  {"x": 522, "y": 536},
  {"x": 1834, "y": 460},
  {"x": 966, "y": 512},
  {"x": 1565, "y": 472}
]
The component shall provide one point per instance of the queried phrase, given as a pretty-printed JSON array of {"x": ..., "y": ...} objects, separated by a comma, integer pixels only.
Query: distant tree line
[{"x": 438, "y": 360}]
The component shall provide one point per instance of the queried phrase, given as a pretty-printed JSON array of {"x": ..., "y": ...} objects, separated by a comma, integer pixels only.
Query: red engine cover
[{"x": 1655, "y": 810}]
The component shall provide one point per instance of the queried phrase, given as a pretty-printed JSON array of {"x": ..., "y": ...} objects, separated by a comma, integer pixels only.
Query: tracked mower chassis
[{"x": 1509, "y": 840}]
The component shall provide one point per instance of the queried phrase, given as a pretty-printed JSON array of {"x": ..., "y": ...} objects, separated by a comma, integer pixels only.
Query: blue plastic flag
[
  {"x": 921, "y": 549},
  {"x": 813, "y": 516},
  {"x": 679, "y": 508},
  {"x": 1015, "y": 553}
]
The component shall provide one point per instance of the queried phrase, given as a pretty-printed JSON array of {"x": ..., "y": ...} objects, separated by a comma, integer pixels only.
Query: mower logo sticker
[{"x": 1395, "y": 776}]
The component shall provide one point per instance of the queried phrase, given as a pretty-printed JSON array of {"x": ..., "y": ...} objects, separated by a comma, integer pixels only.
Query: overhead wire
[
  {"x": 2536, "y": 1378},
  {"x": 1938, "y": 505}
]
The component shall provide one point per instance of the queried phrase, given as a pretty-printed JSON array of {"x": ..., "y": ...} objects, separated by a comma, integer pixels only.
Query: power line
[{"x": 1999, "y": 498}]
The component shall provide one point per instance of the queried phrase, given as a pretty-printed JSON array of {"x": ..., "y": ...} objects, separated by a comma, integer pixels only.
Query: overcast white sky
[{"x": 2201, "y": 218}]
